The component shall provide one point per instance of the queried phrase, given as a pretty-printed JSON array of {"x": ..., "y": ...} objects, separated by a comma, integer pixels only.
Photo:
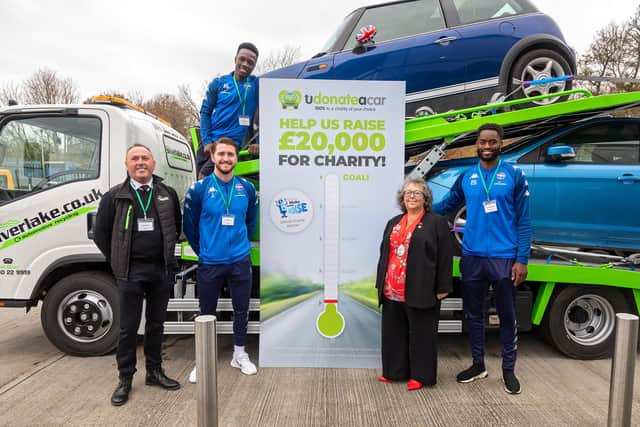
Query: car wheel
[
  {"x": 581, "y": 320},
  {"x": 457, "y": 222},
  {"x": 536, "y": 65},
  {"x": 80, "y": 314}
]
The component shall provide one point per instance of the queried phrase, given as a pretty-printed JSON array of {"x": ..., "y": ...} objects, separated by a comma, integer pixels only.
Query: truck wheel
[
  {"x": 581, "y": 320},
  {"x": 536, "y": 65},
  {"x": 80, "y": 314}
]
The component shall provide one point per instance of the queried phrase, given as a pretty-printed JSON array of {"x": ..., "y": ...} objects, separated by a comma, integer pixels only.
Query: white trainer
[
  {"x": 242, "y": 362},
  {"x": 192, "y": 376}
]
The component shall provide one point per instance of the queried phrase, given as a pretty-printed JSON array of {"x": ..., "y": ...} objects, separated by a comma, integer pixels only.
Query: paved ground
[{"x": 39, "y": 386}]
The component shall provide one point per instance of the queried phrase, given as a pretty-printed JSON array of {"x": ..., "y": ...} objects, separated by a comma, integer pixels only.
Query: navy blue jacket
[
  {"x": 215, "y": 243},
  {"x": 502, "y": 234},
  {"x": 222, "y": 107}
]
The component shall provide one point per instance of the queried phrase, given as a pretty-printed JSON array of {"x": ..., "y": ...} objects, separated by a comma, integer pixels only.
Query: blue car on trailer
[
  {"x": 451, "y": 53},
  {"x": 584, "y": 179}
]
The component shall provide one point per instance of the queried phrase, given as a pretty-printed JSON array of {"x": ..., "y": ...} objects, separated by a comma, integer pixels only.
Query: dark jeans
[
  {"x": 211, "y": 279},
  {"x": 477, "y": 273},
  {"x": 410, "y": 342},
  {"x": 148, "y": 281},
  {"x": 204, "y": 166}
]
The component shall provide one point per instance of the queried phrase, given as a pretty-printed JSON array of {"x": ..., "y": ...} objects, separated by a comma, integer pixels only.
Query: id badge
[
  {"x": 244, "y": 120},
  {"x": 228, "y": 220},
  {"x": 145, "y": 224},
  {"x": 490, "y": 206}
]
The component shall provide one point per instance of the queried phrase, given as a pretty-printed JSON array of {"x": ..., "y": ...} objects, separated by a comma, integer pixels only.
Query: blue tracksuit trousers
[{"x": 477, "y": 273}]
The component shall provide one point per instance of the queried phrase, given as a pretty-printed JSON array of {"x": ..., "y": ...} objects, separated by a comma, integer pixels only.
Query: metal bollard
[
  {"x": 622, "y": 370},
  {"x": 206, "y": 365}
]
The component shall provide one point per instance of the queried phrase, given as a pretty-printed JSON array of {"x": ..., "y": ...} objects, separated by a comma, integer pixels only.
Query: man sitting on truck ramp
[
  {"x": 229, "y": 106},
  {"x": 495, "y": 248},
  {"x": 220, "y": 215},
  {"x": 137, "y": 226}
]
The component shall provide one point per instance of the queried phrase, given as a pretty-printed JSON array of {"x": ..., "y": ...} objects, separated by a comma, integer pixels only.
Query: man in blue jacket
[
  {"x": 220, "y": 216},
  {"x": 229, "y": 106},
  {"x": 495, "y": 248}
]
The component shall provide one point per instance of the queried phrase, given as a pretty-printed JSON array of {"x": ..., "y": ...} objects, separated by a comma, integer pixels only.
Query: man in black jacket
[{"x": 137, "y": 226}]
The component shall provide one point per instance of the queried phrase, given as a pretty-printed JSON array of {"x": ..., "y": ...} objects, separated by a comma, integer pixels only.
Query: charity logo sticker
[{"x": 291, "y": 211}]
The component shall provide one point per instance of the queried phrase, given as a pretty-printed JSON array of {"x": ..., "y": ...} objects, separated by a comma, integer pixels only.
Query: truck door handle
[
  {"x": 444, "y": 41},
  {"x": 628, "y": 178},
  {"x": 91, "y": 222}
]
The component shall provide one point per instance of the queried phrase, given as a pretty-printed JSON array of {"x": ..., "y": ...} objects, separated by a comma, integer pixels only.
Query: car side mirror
[
  {"x": 364, "y": 37},
  {"x": 560, "y": 152}
]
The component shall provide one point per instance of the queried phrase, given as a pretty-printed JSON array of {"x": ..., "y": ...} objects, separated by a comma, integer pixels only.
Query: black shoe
[
  {"x": 475, "y": 372},
  {"x": 121, "y": 393},
  {"x": 157, "y": 377},
  {"x": 511, "y": 383}
]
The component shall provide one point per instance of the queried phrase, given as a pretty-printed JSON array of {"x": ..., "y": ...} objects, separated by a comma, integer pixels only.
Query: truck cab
[{"x": 56, "y": 162}]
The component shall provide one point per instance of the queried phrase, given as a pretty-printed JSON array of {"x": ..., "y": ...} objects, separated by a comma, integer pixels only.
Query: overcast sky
[{"x": 152, "y": 47}]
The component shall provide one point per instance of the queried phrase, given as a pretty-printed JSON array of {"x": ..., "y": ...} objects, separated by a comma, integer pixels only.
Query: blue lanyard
[
  {"x": 243, "y": 101},
  {"x": 225, "y": 202},
  {"x": 484, "y": 184}
]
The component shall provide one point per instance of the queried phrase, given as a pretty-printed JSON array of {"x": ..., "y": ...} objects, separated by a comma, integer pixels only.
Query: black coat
[
  {"x": 429, "y": 261},
  {"x": 113, "y": 231}
]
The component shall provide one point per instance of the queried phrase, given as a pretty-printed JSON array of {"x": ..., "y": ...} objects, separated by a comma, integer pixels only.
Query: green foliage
[
  {"x": 268, "y": 310},
  {"x": 363, "y": 291},
  {"x": 275, "y": 287}
]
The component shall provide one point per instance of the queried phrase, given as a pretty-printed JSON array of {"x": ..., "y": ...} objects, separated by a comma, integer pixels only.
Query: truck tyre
[
  {"x": 581, "y": 320},
  {"x": 80, "y": 314},
  {"x": 536, "y": 65}
]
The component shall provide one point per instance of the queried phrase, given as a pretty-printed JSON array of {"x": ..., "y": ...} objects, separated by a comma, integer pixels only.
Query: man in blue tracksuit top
[
  {"x": 229, "y": 106},
  {"x": 495, "y": 248},
  {"x": 220, "y": 215}
]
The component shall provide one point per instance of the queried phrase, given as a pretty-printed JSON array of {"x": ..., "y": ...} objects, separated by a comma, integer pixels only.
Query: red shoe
[
  {"x": 414, "y": 385},
  {"x": 382, "y": 379}
]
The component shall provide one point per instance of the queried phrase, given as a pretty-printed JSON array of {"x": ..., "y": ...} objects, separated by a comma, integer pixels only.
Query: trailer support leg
[
  {"x": 541, "y": 302},
  {"x": 636, "y": 297}
]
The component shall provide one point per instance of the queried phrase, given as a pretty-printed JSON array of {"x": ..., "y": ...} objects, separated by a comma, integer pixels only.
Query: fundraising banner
[{"x": 331, "y": 162}]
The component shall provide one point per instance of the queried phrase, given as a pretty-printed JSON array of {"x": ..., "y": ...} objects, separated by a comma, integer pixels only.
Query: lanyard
[
  {"x": 144, "y": 207},
  {"x": 243, "y": 101},
  {"x": 226, "y": 202},
  {"x": 484, "y": 184}
]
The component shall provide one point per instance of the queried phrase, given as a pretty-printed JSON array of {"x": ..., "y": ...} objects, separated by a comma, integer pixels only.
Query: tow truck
[{"x": 572, "y": 297}]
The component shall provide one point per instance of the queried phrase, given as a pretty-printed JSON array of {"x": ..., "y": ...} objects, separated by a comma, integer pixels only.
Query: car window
[
  {"x": 608, "y": 143},
  {"x": 332, "y": 41},
  {"x": 41, "y": 152},
  {"x": 482, "y": 10},
  {"x": 400, "y": 20}
]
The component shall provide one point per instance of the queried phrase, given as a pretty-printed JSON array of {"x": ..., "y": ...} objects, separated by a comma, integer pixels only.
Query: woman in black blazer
[{"x": 414, "y": 275}]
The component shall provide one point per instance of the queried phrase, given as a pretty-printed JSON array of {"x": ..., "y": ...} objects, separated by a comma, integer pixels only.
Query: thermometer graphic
[{"x": 330, "y": 322}]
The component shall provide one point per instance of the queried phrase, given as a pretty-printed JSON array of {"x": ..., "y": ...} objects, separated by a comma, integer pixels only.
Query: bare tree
[
  {"x": 614, "y": 54},
  {"x": 10, "y": 92},
  {"x": 278, "y": 59},
  {"x": 190, "y": 106},
  {"x": 45, "y": 87},
  {"x": 633, "y": 47},
  {"x": 169, "y": 108}
]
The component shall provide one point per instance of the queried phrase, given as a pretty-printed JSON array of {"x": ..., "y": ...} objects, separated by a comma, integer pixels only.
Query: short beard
[
  {"x": 230, "y": 171},
  {"x": 494, "y": 155}
]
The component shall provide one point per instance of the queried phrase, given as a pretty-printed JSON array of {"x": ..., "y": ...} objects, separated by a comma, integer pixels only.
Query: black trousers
[
  {"x": 148, "y": 281},
  {"x": 409, "y": 342}
]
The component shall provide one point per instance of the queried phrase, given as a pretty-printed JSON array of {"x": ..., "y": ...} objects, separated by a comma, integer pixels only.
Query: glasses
[{"x": 414, "y": 194}]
